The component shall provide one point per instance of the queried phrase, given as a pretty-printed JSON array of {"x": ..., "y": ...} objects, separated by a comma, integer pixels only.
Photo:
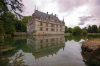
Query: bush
[
  {"x": 84, "y": 32},
  {"x": 10, "y": 30},
  {"x": 1, "y": 29},
  {"x": 76, "y": 31}
]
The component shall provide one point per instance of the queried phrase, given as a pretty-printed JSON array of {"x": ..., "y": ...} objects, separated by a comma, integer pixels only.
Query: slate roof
[{"x": 38, "y": 14}]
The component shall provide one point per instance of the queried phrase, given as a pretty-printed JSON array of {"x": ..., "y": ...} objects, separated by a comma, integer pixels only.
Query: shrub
[
  {"x": 84, "y": 32},
  {"x": 76, "y": 31}
]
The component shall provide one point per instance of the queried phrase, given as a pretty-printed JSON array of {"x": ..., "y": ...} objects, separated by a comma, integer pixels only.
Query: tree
[
  {"x": 69, "y": 30},
  {"x": 20, "y": 26},
  {"x": 84, "y": 32},
  {"x": 76, "y": 31},
  {"x": 89, "y": 29},
  {"x": 1, "y": 29},
  {"x": 99, "y": 29},
  {"x": 8, "y": 21},
  {"x": 65, "y": 29},
  {"x": 25, "y": 19},
  {"x": 85, "y": 28},
  {"x": 14, "y": 6},
  {"x": 94, "y": 29}
]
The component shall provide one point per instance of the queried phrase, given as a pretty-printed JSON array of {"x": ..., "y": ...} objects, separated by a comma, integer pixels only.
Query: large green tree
[
  {"x": 76, "y": 31},
  {"x": 94, "y": 28},
  {"x": 99, "y": 29},
  {"x": 89, "y": 29},
  {"x": 25, "y": 19},
  {"x": 8, "y": 21}
]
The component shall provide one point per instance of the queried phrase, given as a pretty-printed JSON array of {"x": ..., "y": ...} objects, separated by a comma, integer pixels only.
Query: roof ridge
[{"x": 43, "y": 12}]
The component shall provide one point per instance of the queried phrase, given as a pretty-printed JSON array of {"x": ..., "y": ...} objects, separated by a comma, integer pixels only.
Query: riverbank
[
  {"x": 93, "y": 33},
  {"x": 91, "y": 51}
]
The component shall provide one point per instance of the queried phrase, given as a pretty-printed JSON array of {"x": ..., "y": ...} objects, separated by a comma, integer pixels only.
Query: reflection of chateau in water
[{"x": 45, "y": 45}]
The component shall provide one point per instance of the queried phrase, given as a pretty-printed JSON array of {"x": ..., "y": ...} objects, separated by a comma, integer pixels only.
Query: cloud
[
  {"x": 66, "y": 5},
  {"x": 70, "y": 5},
  {"x": 72, "y": 8},
  {"x": 83, "y": 19}
]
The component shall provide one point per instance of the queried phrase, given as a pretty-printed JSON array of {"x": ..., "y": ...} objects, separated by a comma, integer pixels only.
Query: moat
[{"x": 44, "y": 51}]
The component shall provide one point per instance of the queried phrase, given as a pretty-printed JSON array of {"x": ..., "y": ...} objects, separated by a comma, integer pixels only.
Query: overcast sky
[{"x": 75, "y": 12}]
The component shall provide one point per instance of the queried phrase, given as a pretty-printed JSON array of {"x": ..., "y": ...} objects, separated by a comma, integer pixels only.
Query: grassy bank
[{"x": 93, "y": 33}]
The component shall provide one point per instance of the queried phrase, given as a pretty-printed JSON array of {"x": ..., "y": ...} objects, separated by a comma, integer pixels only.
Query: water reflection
[
  {"x": 45, "y": 45},
  {"x": 17, "y": 61},
  {"x": 44, "y": 51}
]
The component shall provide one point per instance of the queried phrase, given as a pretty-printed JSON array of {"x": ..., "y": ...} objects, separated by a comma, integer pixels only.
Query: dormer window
[
  {"x": 41, "y": 18},
  {"x": 57, "y": 20},
  {"x": 52, "y": 18},
  {"x": 47, "y": 19}
]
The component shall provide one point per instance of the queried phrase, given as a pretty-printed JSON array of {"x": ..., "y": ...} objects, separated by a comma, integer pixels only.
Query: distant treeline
[{"x": 78, "y": 31}]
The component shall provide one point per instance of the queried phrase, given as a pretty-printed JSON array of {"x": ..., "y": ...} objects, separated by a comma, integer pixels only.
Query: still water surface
[{"x": 43, "y": 51}]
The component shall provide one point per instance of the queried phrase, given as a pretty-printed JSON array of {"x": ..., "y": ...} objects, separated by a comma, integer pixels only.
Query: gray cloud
[
  {"x": 83, "y": 19},
  {"x": 69, "y": 5},
  {"x": 66, "y": 5}
]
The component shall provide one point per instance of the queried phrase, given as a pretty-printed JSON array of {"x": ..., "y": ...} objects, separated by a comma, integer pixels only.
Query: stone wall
[
  {"x": 20, "y": 33},
  {"x": 35, "y": 25}
]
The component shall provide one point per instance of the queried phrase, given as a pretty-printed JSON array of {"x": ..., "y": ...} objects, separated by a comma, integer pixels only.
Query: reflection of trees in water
[
  {"x": 17, "y": 61},
  {"x": 75, "y": 38},
  {"x": 93, "y": 36}
]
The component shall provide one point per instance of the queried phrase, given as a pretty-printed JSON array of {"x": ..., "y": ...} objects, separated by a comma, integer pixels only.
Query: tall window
[
  {"x": 46, "y": 24},
  {"x": 56, "y": 29},
  {"x": 52, "y": 29},
  {"x": 60, "y": 26},
  {"x": 52, "y": 25},
  {"x": 46, "y": 29},
  {"x": 40, "y": 23},
  {"x": 57, "y": 26},
  {"x": 41, "y": 29}
]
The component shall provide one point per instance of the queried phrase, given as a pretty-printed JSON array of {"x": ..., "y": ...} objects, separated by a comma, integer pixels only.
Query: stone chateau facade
[{"x": 45, "y": 24}]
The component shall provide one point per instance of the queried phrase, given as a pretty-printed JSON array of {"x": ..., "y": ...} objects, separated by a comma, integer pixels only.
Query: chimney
[
  {"x": 55, "y": 15},
  {"x": 47, "y": 12}
]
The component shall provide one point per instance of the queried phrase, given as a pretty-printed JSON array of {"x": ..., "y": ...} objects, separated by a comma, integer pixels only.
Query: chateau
[{"x": 45, "y": 24}]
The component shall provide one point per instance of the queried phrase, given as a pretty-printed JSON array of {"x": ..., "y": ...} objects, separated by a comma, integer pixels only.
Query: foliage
[
  {"x": 94, "y": 29},
  {"x": 99, "y": 29},
  {"x": 84, "y": 32},
  {"x": 8, "y": 21},
  {"x": 25, "y": 19},
  {"x": 15, "y": 6},
  {"x": 20, "y": 26},
  {"x": 68, "y": 30},
  {"x": 1, "y": 29},
  {"x": 76, "y": 31},
  {"x": 65, "y": 29},
  {"x": 89, "y": 29}
]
